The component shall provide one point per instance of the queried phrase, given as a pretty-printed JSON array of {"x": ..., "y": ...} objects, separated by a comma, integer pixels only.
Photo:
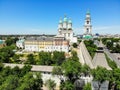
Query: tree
[
  {"x": 10, "y": 83},
  {"x": 67, "y": 85},
  {"x": 16, "y": 70},
  {"x": 75, "y": 45},
  {"x": 6, "y": 71},
  {"x": 74, "y": 56},
  {"x": 20, "y": 79},
  {"x": 57, "y": 70},
  {"x": 6, "y": 53},
  {"x": 30, "y": 59},
  {"x": 111, "y": 63},
  {"x": 10, "y": 41},
  {"x": 44, "y": 58},
  {"x": 72, "y": 69},
  {"x": 15, "y": 58},
  {"x": 109, "y": 45},
  {"x": 87, "y": 87},
  {"x": 50, "y": 84},
  {"x": 100, "y": 74},
  {"x": 116, "y": 75},
  {"x": 30, "y": 82},
  {"x": 58, "y": 57},
  {"x": 25, "y": 70},
  {"x": 26, "y": 82},
  {"x": 91, "y": 47},
  {"x": 1, "y": 66},
  {"x": 38, "y": 81},
  {"x": 86, "y": 70}
]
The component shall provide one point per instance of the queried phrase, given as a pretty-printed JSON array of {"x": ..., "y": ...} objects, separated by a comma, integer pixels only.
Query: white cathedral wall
[
  {"x": 64, "y": 25},
  {"x": 69, "y": 26},
  {"x": 59, "y": 26}
]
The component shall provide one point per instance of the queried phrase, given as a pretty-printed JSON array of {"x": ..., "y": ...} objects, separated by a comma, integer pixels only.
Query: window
[
  {"x": 87, "y": 22},
  {"x": 64, "y": 34},
  {"x": 68, "y": 34},
  {"x": 87, "y": 30}
]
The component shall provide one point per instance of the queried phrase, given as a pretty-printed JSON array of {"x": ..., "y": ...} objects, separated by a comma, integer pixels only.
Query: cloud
[
  {"x": 78, "y": 30},
  {"x": 107, "y": 29},
  {"x": 27, "y": 31},
  {"x": 115, "y": 29}
]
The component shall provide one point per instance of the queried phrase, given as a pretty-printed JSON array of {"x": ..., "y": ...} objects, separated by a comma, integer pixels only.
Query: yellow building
[{"x": 47, "y": 44}]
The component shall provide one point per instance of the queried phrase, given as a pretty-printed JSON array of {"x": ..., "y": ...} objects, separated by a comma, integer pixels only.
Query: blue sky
[{"x": 42, "y": 16}]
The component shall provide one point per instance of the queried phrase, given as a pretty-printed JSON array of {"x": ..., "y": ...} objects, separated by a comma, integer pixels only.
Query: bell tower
[{"x": 88, "y": 26}]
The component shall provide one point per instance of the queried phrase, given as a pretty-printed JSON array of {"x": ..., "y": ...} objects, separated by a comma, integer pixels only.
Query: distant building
[
  {"x": 87, "y": 27},
  {"x": 2, "y": 43},
  {"x": 65, "y": 30},
  {"x": 48, "y": 44},
  {"x": 20, "y": 43}
]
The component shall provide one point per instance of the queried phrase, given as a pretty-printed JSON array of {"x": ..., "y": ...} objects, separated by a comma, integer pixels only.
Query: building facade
[
  {"x": 48, "y": 44},
  {"x": 20, "y": 43}
]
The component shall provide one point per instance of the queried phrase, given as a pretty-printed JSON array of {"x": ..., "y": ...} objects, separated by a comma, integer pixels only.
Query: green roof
[
  {"x": 1, "y": 41},
  {"x": 87, "y": 37},
  {"x": 21, "y": 41},
  {"x": 88, "y": 12}
]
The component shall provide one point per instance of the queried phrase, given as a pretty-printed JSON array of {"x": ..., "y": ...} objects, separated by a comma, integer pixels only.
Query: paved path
[
  {"x": 34, "y": 67},
  {"x": 100, "y": 60}
]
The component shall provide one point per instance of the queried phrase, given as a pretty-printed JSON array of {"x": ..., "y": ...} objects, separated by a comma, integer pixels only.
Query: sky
[{"x": 42, "y": 16}]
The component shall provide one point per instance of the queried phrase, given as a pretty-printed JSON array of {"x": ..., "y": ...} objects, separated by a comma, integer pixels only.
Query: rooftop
[{"x": 2, "y": 41}]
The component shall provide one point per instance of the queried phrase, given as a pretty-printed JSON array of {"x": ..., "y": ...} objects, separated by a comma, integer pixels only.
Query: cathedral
[{"x": 65, "y": 30}]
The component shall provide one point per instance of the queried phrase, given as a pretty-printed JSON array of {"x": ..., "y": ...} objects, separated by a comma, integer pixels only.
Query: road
[
  {"x": 112, "y": 57},
  {"x": 100, "y": 60}
]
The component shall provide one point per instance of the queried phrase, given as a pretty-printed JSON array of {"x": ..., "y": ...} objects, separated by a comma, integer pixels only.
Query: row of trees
[
  {"x": 46, "y": 58},
  {"x": 19, "y": 79},
  {"x": 91, "y": 47},
  {"x": 109, "y": 42},
  {"x": 6, "y": 53},
  {"x": 114, "y": 74},
  {"x": 11, "y": 41}
]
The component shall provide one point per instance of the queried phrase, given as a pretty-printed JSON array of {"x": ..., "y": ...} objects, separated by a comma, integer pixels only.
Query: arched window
[
  {"x": 87, "y": 30},
  {"x": 87, "y": 22}
]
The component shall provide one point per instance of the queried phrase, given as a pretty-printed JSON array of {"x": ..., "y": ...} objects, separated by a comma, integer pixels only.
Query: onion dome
[
  {"x": 70, "y": 21},
  {"x": 65, "y": 19},
  {"x": 60, "y": 21}
]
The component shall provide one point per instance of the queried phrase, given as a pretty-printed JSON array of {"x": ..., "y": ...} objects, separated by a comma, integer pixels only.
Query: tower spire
[
  {"x": 88, "y": 12},
  {"x": 87, "y": 26}
]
